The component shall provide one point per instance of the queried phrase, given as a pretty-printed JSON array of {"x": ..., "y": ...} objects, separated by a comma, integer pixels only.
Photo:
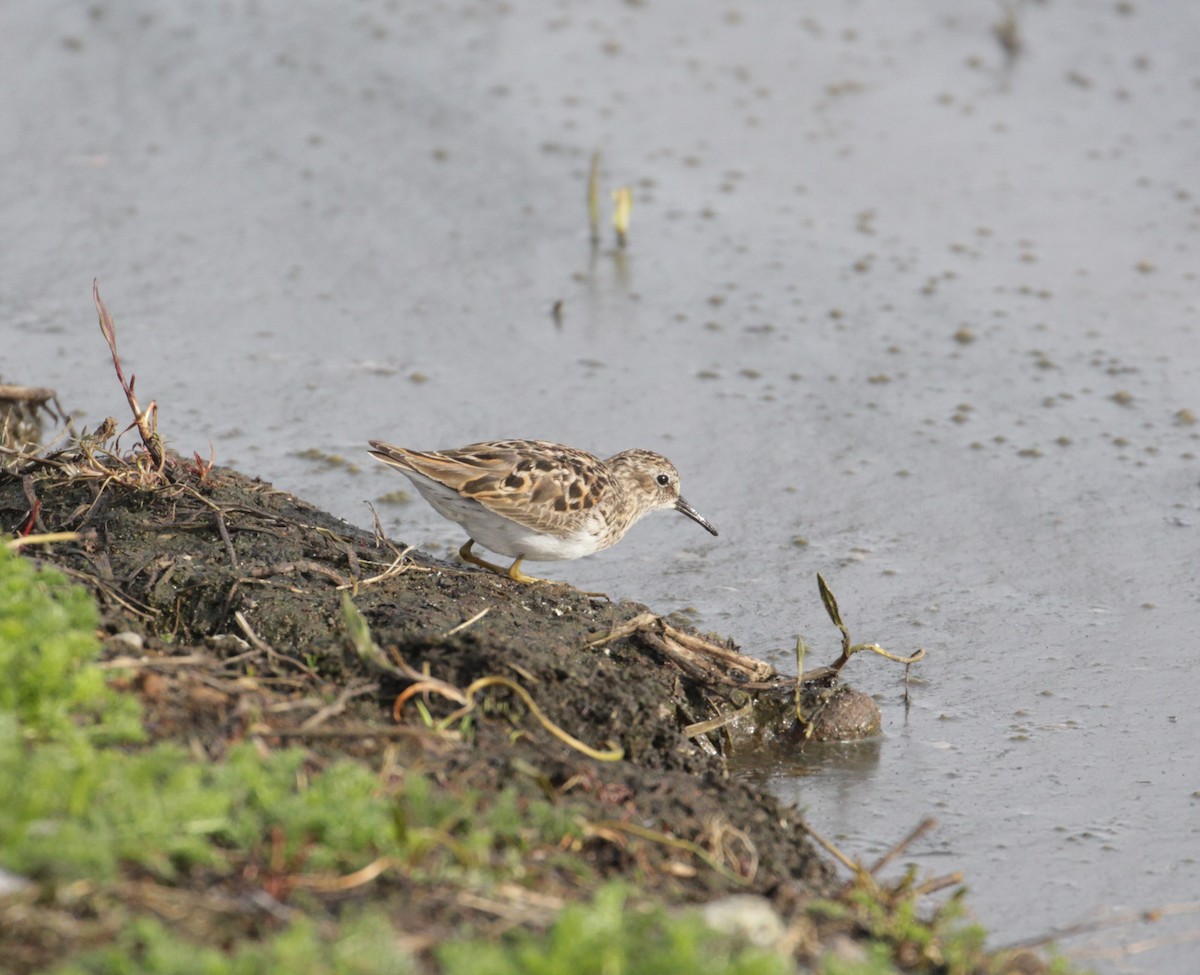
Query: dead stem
[
  {"x": 1144, "y": 916},
  {"x": 798, "y": 695},
  {"x": 338, "y": 706},
  {"x": 715, "y": 724},
  {"x": 48, "y": 538},
  {"x": 645, "y": 833},
  {"x": 145, "y": 420},
  {"x": 381, "y": 538},
  {"x": 33, "y": 524},
  {"x": 835, "y": 614},
  {"x": 260, "y": 644},
  {"x": 299, "y": 566},
  {"x": 521, "y": 906},
  {"x": 223, "y": 531},
  {"x": 923, "y": 827},
  {"x": 833, "y": 851},
  {"x": 468, "y": 705},
  {"x": 466, "y": 623},
  {"x": 934, "y": 884},
  {"x": 397, "y": 567},
  {"x": 108, "y": 589},
  {"x": 333, "y": 885},
  {"x": 695, "y": 656},
  {"x": 593, "y": 199}
]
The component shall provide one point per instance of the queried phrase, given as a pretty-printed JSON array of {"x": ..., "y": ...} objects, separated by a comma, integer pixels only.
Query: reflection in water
[{"x": 827, "y": 759}]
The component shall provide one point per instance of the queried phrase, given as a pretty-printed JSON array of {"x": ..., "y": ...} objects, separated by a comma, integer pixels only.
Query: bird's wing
[{"x": 537, "y": 484}]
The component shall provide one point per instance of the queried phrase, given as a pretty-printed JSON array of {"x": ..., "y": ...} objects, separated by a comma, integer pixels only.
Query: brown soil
[{"x": 222, "y": 596}]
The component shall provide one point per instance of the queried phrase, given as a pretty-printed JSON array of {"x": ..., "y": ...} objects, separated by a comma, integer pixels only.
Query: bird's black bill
[{"x": 695, "y": 515}]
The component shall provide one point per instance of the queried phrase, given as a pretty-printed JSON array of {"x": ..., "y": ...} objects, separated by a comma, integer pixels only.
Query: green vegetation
[
  {"x": 900, "y": 933},
  {"x": 47, "y": 648},
  {"x": 365, "y": 945}
]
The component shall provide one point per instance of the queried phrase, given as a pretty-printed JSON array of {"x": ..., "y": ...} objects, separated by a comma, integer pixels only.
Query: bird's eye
[{"x": 663, "y": 479}]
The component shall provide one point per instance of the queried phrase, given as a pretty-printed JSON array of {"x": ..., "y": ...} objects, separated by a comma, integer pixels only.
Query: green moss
[
  {"x": 47, "y": 644},
  {"x": 78, "y": 811},
  {"x": 364, "y": 945}
]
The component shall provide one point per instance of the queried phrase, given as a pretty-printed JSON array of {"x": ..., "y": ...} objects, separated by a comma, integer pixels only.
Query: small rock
[
  {"x": 229, "y": 643},
  {"x": 11, "y": 883},
  {"x": 746, "y": 916},
  {"x": 128, "y": 641},
  {"x": 846, "y": 950}
]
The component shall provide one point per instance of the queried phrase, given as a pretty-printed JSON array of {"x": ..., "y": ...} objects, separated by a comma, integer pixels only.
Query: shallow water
[{"x": 902, "y": 310}]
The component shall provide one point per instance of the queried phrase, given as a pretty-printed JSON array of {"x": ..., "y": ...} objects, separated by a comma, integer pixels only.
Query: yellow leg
[
  {"x": 513, "y": 571},
  {"x": 466, "y": 555}
]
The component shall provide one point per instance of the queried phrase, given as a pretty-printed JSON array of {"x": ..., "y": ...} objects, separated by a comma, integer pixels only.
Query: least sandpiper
[{"x": 538, "y": 501}]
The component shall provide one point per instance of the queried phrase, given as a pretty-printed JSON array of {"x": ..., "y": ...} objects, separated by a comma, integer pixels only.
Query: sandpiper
[{"x": 538, "y": 501}]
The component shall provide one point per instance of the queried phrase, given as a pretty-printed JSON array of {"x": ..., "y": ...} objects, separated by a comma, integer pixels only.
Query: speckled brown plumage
[{"x": 531, "y": 499}]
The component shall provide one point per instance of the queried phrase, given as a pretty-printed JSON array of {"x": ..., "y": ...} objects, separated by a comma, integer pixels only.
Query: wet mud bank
[{"x": 238, "y": 612}]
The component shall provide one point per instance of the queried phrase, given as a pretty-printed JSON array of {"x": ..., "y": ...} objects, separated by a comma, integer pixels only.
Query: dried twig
[
  {"x": 923, "y": 827},
  {"x": 833, "y": 851},
  {"x": 695, "y": 656},
  {"x": 260, "y": 644},
  {"x": 1146, "y": 916},
  {"x": 159, "y": 663},
  {"x": 698, "y": 728},
  {"x": 468, "y": 705},
  {"x": 35, "y": 397},
  {"x": 223, "y": 531},
  {"x": 339, "y": 705},
  {"x": 380, "y": 535},
  {"x": 299, "y": 566},
  {"x": 43, "y": 539},
  {"x": 523, "y": 906},
  {"x": 798, "y": 695},
  {"x": 465, "y": 623},
  {"x": 934, "y": 884},
  {"x": 678, "y": 843},
  {"x": 397, "y": 567},
  {"x": 593, "y": 198},
  {"x": 333, "y": 885},
  {"x": 145, "y": 420}
]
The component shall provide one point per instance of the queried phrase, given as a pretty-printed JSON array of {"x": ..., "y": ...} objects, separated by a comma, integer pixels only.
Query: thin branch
[
  {"x": 260, "y": 644},
  {"x": 923, "y": 827},
  {"x": 465, "y": 623},
  {"x": 145, "y": 420}
]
